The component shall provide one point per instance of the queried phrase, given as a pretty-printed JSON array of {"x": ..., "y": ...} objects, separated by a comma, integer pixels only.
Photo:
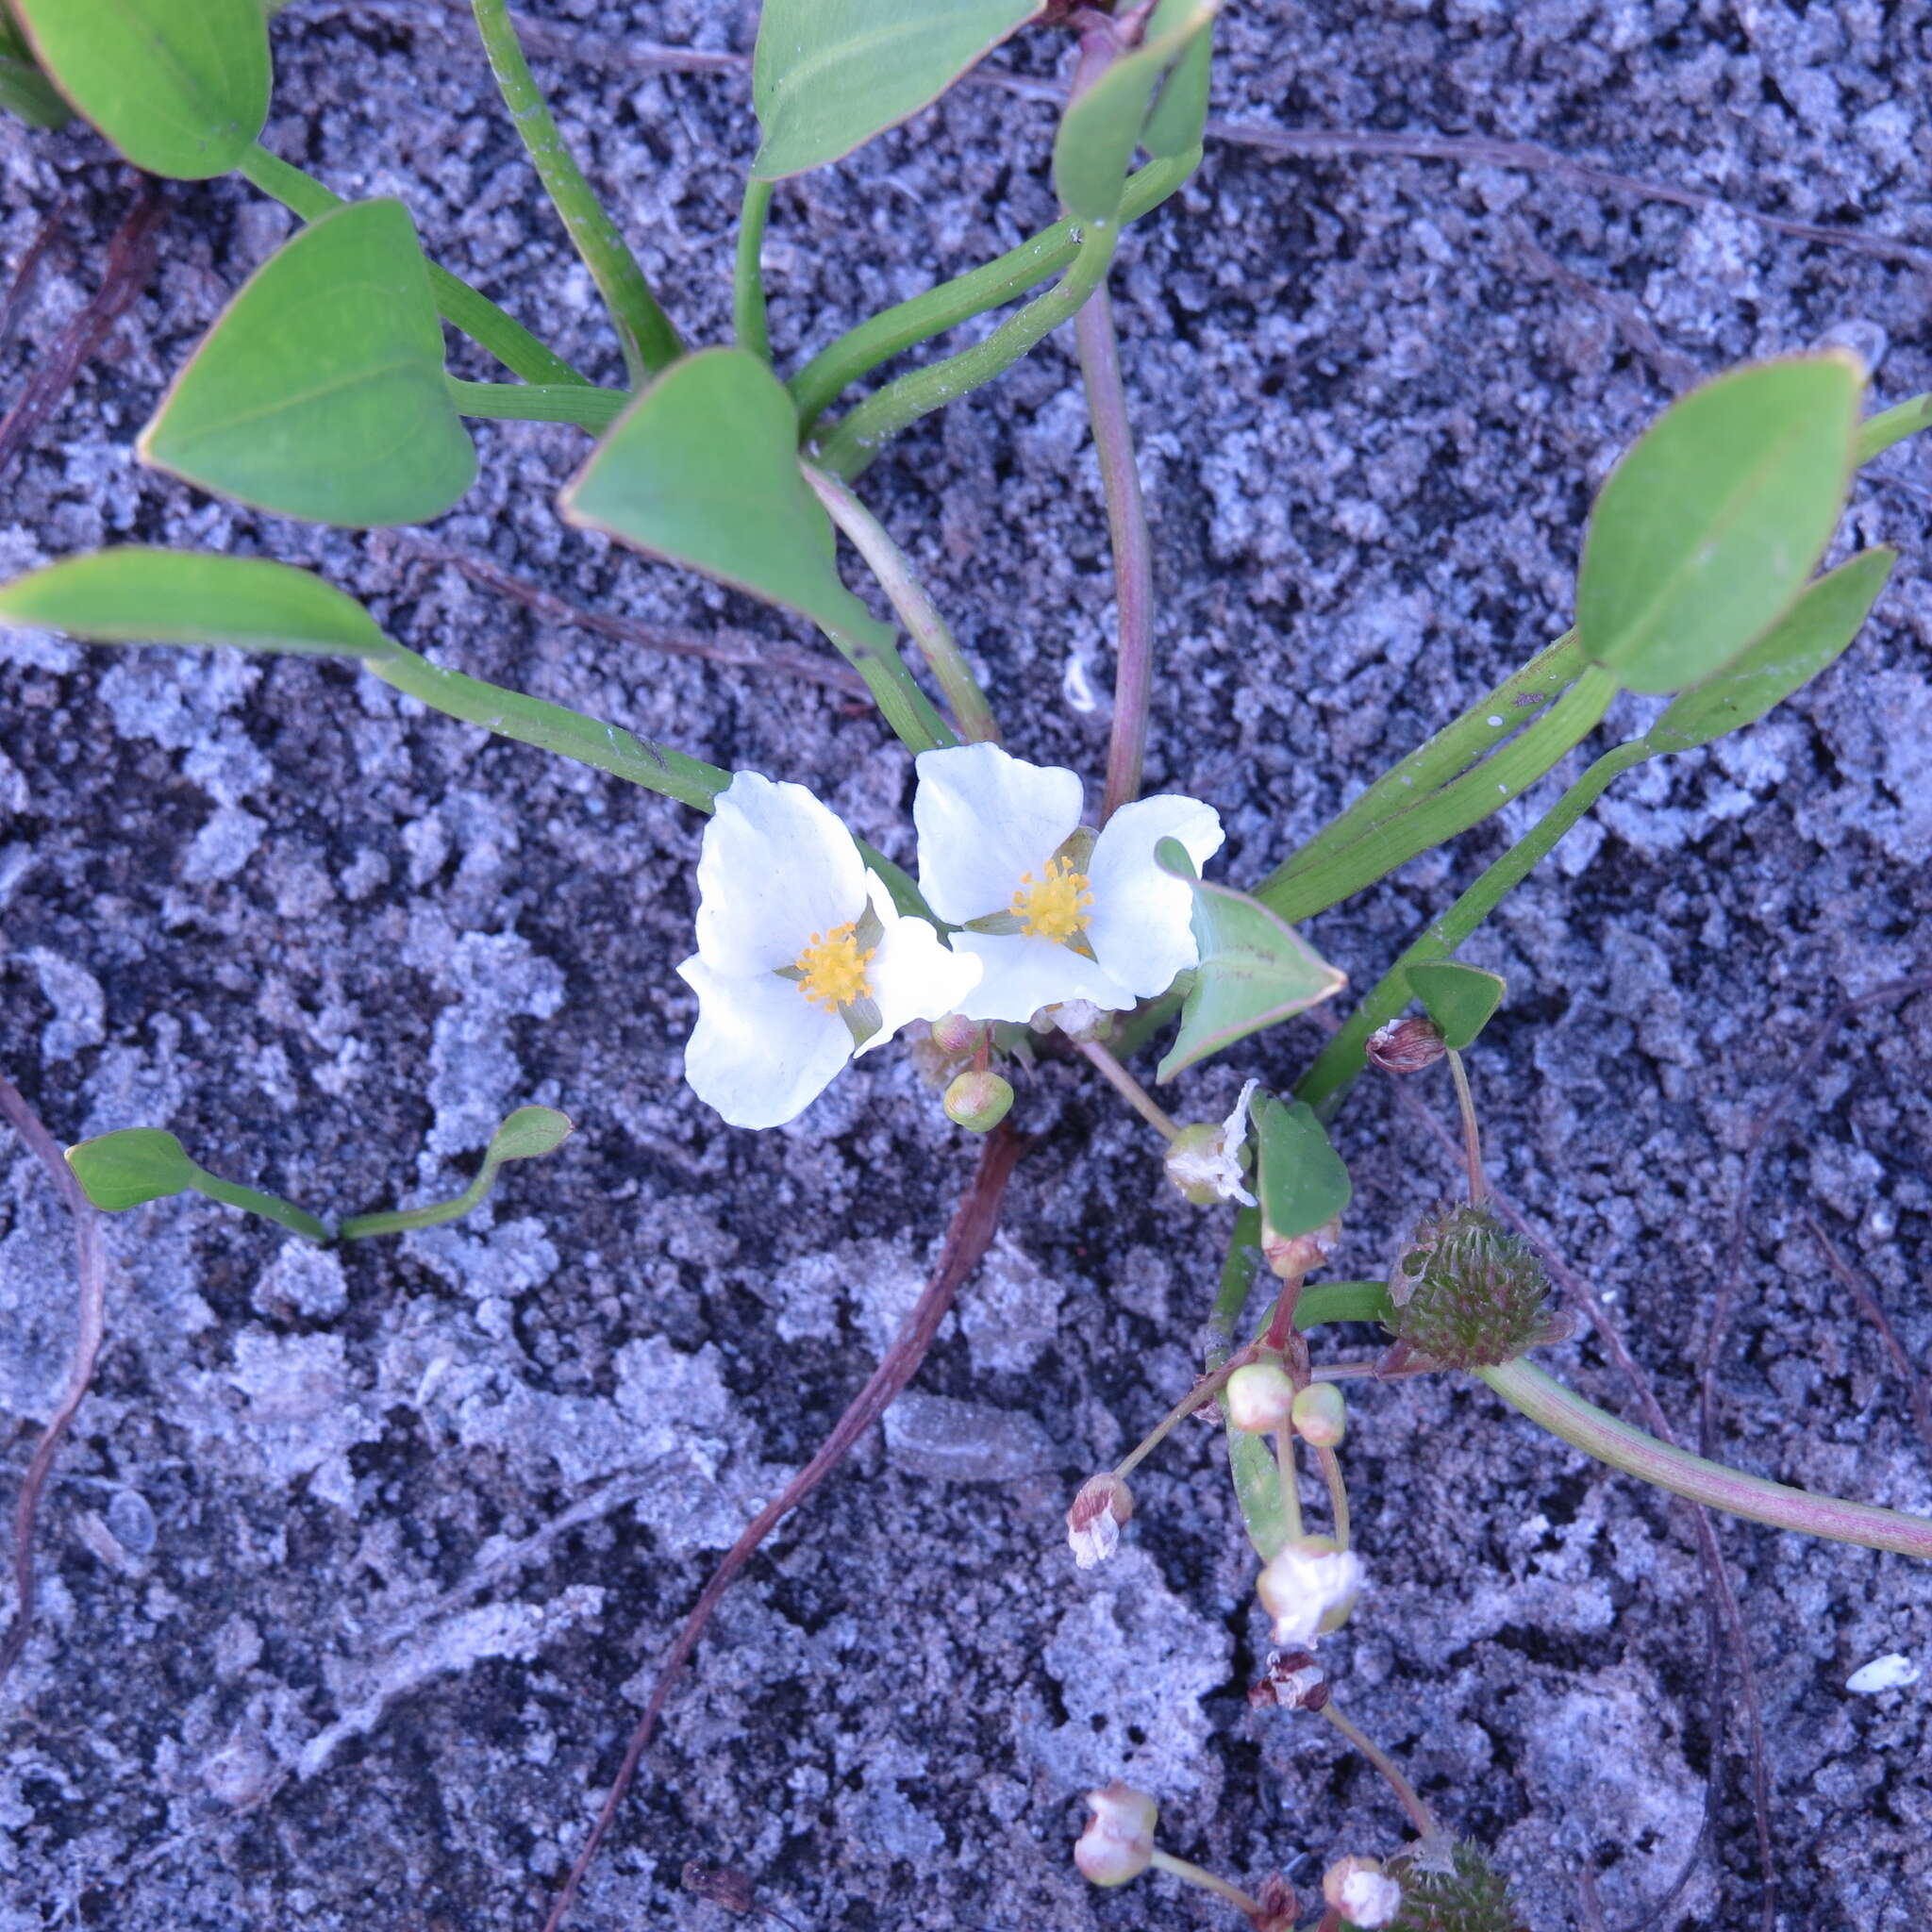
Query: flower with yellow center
[
  {"x": 803, "y": 960},
  {"x": 1052, "y": 912}
]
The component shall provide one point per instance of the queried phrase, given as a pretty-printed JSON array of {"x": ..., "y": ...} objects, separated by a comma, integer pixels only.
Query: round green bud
[
  {"x": 979, "y": 1100},
  {"x": 1319, "y": 1414}
]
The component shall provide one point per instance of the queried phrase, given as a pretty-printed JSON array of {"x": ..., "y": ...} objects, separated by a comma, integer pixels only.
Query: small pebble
[{"x": 1892, "y": 1672}]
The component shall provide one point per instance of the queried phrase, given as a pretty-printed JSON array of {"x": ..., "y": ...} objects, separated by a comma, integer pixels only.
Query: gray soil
[{"x": 356, "y": 1568}]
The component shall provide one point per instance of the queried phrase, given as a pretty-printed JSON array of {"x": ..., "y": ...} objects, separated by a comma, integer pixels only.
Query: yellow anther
[
  {"x": 832, "y": 969},
  {"x": 1056, "y": 906}
]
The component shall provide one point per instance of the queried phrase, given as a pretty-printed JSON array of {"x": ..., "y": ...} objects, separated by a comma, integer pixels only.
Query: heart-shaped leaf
[
  {"x": 1803, "y": 642},
  {"x": 180, "y": 87},
  {"x": 1100, "y": 131},
  {"x": 1459, "y": 999},
  {"x": 1300, "y": 1180},
  {"x": 525, "y": 1134},
  {"x": 137, "y": 1164},
  {"x": 828, "y": 75},
  {"x": 141, "y": 596},
  {"x": 702, "y": 470},
  {"x": 320, "y": 394},
  {"x": 1254, "y": 969},
  {"x": 1710, "y": 526}
]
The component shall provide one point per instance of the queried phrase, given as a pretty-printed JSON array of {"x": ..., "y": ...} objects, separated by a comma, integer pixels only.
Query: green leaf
[
  {"x": 1710, "y": 526},
  {"x": 138, "y": 596},
  {"x": 319, "y": 392},
  {"x": 180, "y": 87},
  {"x": 828, "y": 75},
  {"x": 25, "y": 91},
  {"x": 1254, "y": 969},
  {"x": 525, "y": 1134},
  {"x": 137, "y": 1164},
  {"x": 1810, "y": 636},
  {"x": 1179, "y": 119},
  {"x": 1100, "y": 131},
  {"x": 1300, "y": 1180},
  {"x": 1459, "y": 999},
  {"x": 118, "y": 1170},
  {"x": 702, "y": 470}
]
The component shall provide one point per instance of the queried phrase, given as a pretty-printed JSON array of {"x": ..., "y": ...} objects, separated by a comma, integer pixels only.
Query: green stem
[
  {"x": 594, "y": 410},
  {"x": 1585, "y": 1426},
  {"x": 1324, "y": 1083},
  {"x": 1133, "y": 563},
  {"x": 1472, "y": 1134},
  {"x": 1338, "y": 1491},
  {"x": 748, "y": 315},
  {"x": 253, "y": 1200},
  {"x": 1129, "y": 1089},
  {"x": 479, "y": 318},
  {"x": 1877, "y": 433},
  {"x": 856, "y": 440},
  {"x": 904, "y": 707},
  {"x": 1191, "y": 1873},
  {"x": 1290, "y": 1483},
  {"x": 893, "y": 331},
  {"x": 1210, "y": 1385},
  {"x": 1451, "y": 752},
  {"x": 916, "y": 609},
  {"x": 1236, "y": 1282},
  {"x": 645, "y": 332},
  {"x": 1411, "y": 1799}
]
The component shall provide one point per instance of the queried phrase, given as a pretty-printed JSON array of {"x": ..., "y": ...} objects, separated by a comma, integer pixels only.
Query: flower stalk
[
  {"x": 1129, "y": 1089},
  {"x": 1585, "y": 1426},
  {"x": 1407, "y": 1795}
]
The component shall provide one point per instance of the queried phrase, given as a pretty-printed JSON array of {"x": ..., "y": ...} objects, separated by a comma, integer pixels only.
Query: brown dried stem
[
  {"x": 968, "y": 1237},
  {"x": 91, "y": 1272}
]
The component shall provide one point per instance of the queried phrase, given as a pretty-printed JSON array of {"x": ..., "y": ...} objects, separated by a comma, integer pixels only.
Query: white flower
[
  {"x": 1205, "y": 1162},
  {"x": 1053, "y": 911},
  {"x": 1308, "y": 1589},
  {"x": 1093, "y": 1522},
  {"x": 801, "y": 957},
  {"x": 1362, "y": 1892}
]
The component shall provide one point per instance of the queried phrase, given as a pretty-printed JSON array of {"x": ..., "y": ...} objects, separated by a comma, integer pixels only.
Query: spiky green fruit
[
  {"x": 1468, "y": 1293},
  {"x": 1472, "y": 1896}
]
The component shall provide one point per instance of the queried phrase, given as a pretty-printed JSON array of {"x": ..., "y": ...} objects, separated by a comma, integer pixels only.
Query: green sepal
[{"x": 1299, "y": 1178}]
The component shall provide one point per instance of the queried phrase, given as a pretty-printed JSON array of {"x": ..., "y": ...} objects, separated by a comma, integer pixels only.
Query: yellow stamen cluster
[
  {"x": 1056, "y": 906},
  {"x": 832, "y": 969}
]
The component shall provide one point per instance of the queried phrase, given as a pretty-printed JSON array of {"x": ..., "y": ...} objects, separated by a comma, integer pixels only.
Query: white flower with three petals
[
  {"x": 803, "y": 960},
  {"x": 1052, "y": 912}
]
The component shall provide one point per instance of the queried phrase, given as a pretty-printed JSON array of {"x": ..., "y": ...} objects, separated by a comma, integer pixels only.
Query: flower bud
[
  {"x": 1118, "y": 1843},
  {"x": 1093, "y": 1522},
  {"x": 1319, "y": 1414},
  {"x": 1260, "y": 1397},
  {"x": 1309, "y": 1589},
  {"x": 1405, "y": 1046},
  {"x": 953, "y": 1034},
  {"x": 1290, "y": 1256},
  {"x": 1362, "y": 1892},
  {"x": 979, "y": 1100}
]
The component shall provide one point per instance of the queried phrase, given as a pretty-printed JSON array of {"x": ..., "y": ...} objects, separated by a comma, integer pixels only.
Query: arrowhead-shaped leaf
[
  {"x": 828, "y": 75},
  {"x": 1100, "y": 131},
  {"x": 702, "y": 470},
  {"x": 139, "y": 596},
  {"x": 180, "y": 87},
  {"x": 1459, "y": 999},
  {"x": 1254, "y": 969},
  {"x": 1803, "y": 642},
  {"x": 1300, "y": 1180},
  {"x": 1710, "y": 526},
  {"x": 319, "y": 392}
]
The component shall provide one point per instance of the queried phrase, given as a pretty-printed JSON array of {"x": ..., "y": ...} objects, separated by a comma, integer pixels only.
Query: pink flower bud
[
  {"x": 1118, "y": 1843},
  {"x": 1319, "y": 1414},
  {"x": 1093, "y": 1522},
  {"x": 953, "y": 1034},
  {"x": 979, "y": 1101},
  {"x": 1260, "y": 1398},
  {"x": 1405, "y": 1046}
]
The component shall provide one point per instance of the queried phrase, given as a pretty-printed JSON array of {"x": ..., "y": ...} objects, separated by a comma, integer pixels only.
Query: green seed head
[
  {"x": 1447, "y": 1889},
  {"x": 1468, "y": 1293}
]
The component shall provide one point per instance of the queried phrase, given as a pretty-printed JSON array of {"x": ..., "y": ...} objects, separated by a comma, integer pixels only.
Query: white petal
[
  {"x": 1023, "y": 974},
  {"x": 776, "y": 867},
  {"x": 913, "y": 974},
  {"x": 984, "y": 818},
  {"x": 761, "y": 1053},
  {"x": 1142, "y": 926}
]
